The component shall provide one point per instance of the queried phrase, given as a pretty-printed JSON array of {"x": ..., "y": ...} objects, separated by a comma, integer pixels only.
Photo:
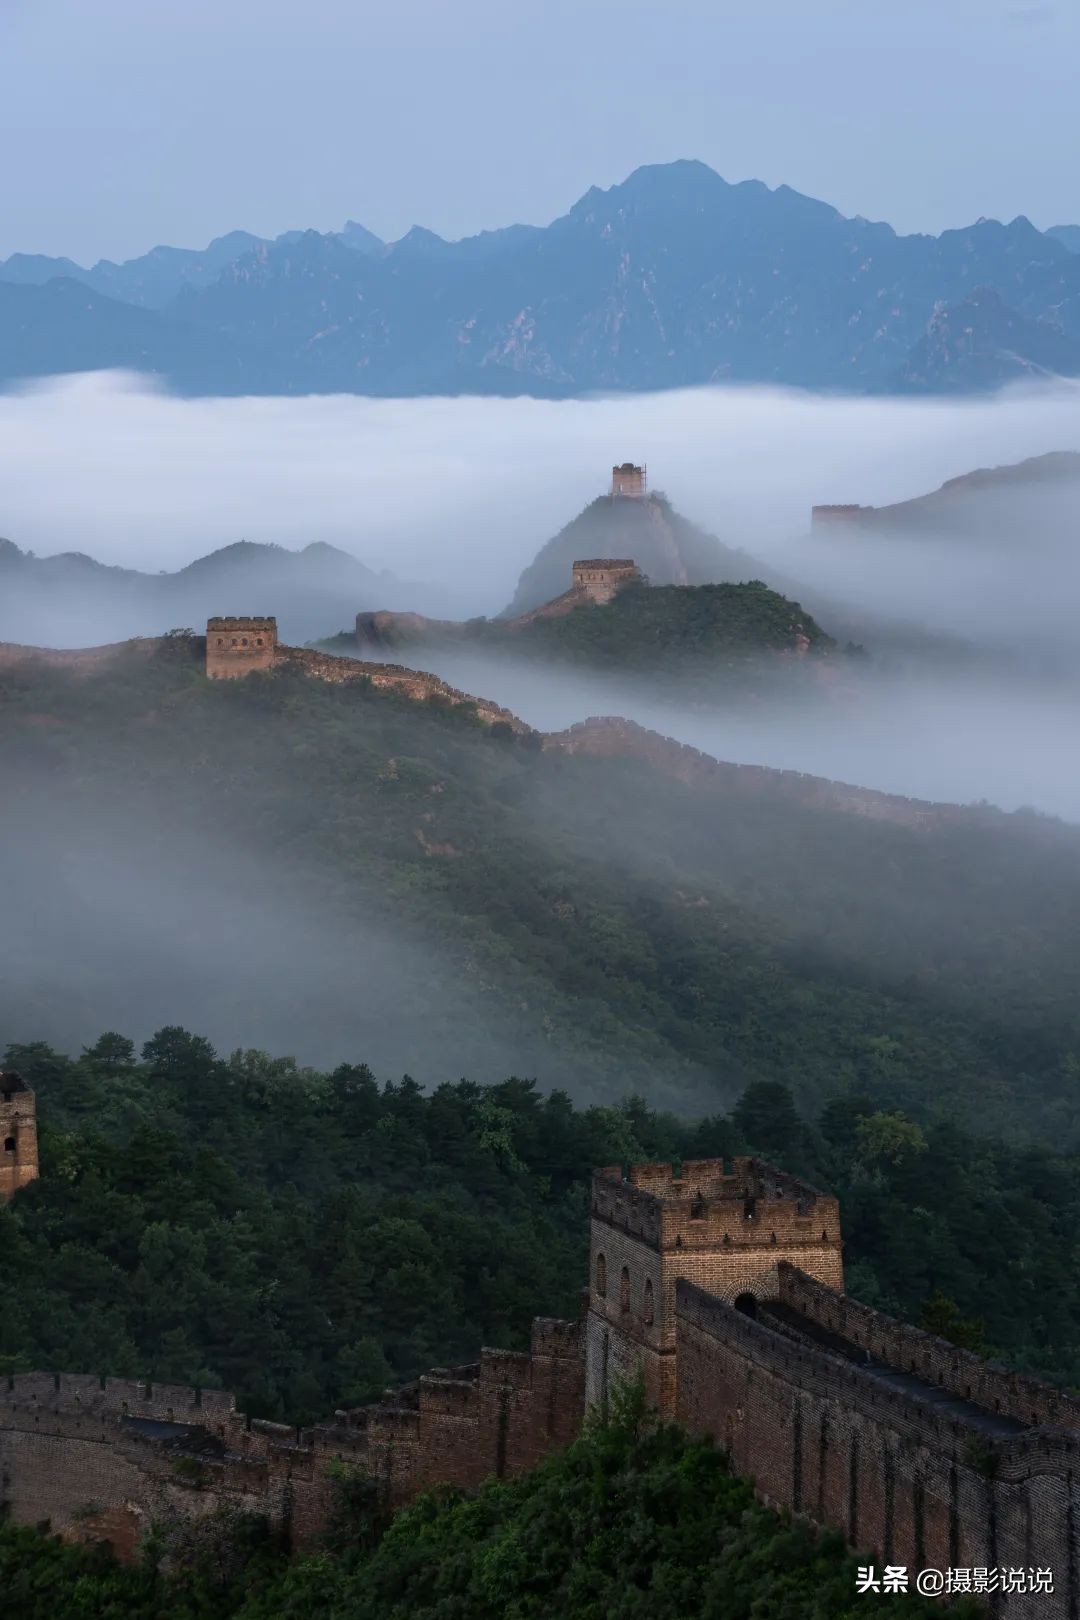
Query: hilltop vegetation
[
  {"x": 696, "y": 637},
  {"x": 623, "y": 929},
  {"x": 706, "y": 628}
]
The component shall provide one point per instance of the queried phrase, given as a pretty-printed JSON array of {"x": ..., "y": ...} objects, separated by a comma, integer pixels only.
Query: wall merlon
[{"x": 966, "y": 1375}]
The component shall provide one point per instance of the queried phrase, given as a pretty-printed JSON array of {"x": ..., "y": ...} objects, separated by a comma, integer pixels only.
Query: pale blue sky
[{"x": 131, "y": 122}]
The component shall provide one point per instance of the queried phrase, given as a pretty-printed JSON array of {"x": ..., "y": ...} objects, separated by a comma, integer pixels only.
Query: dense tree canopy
[
  {"x": 627, "y": 930},
  {"x": 307, "y": 1238}
]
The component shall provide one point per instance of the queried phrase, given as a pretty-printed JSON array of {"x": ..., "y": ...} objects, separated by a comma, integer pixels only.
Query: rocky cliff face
[{"x": 672, "y": 279}]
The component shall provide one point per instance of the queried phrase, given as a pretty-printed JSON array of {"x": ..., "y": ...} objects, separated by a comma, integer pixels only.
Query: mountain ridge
[
  {"x": 671, "y": 278},
  {"x": 69, "y": 595}
]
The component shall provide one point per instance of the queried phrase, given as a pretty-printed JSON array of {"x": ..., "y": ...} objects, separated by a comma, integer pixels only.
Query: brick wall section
[
  {"x": 411, "y": 683},
  {"x": 18, "y": 1135},
  {"x": 68, "y": 1457},
  {"x": 601, "y": 579},
  {"x": 723, "y": 1229},
  {"x": 994, "y": 1387},
  {"x": 821, "y": 1437}
]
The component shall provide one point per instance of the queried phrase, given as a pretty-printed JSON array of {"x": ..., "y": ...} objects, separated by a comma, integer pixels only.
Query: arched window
[
  {"x": 601, "y": 1276},
  {"x": 647, "y": 1303},
  {"x": 221, "y": 641},
  {"x": 624, "y": 1289},
  {"x": 9, "y": 1144}
]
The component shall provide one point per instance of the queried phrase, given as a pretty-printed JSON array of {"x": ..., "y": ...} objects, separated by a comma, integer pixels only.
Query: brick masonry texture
[
  {"x": 723, "y": 1286},
  {"x": 238, "y": 646},
  {"x": 102, "y": 1458},
  {"x": 18, "y": 1135}
]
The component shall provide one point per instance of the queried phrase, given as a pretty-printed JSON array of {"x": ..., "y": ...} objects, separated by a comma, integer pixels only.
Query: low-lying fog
[
  {"x": 131, "y": 923},
  {"x": 461, "y": 493}
]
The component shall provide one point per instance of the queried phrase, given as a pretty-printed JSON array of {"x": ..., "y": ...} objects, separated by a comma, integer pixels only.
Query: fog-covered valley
[{"x": 968, "y": 620}]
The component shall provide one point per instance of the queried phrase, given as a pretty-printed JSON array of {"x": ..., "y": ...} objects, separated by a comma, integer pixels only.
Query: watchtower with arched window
[
  {"x": 18, "y": 1134},
  {"x": 724, "y": 1229},
  {"x": 238, "y": 646}
]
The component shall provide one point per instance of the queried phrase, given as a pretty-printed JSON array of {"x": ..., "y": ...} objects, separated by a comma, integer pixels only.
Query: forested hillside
[
  {"x": 307, "y": 1238},
  {"x": 621, "y": 929},
  {"x": 693, "y": 638}
]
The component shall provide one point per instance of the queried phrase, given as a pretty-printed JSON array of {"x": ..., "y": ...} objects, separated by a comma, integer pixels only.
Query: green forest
[
  {"x": 675, "y": 627},
  {"x": 887, "y": 1009},
  {"x": 701, "y": 634},
  {"x": 631, "y": 932},
  {"x": 306, "y": 1239}
]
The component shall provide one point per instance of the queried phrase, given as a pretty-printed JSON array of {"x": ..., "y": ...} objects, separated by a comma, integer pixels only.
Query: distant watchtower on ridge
[
  {"x": 627, "y": 482},
  {"x": 18, "y": 1135},
  {"x": 237, "y": 646}
]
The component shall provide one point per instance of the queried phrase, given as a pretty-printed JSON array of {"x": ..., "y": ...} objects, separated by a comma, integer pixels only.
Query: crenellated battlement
[
  {"x": 81, "y": 1393},
  {"x": 721, "y": 1285},
  {"x": 703, "y": 1205}
]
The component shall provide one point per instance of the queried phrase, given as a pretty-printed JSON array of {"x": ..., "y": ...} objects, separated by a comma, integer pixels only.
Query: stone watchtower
[
  {"x": 601, "y": 578},
  {"x": 725, "y": 1232},
  {"x": 18, "y": 1135},
  {"x": 239, "y": 646},
  {"x": 628, "y": 481}
]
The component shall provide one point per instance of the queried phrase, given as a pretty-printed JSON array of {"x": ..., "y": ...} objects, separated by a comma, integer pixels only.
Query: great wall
[
  {"x": 242, "y": 646},
  {"x": 721, "y": 1288}
]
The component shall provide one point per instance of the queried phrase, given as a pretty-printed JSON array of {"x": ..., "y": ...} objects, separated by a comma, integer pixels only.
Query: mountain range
[
  {"x": 70, "y": 599},
  {"x": 1028, "y": 500},
  {"x": 673, "y": 278}
]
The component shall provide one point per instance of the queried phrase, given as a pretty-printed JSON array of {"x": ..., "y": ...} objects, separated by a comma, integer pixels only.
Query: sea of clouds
[{"x": 463, "y": 492}]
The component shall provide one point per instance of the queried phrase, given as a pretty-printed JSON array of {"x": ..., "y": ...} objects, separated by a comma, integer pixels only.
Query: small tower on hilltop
[
  {"x": 18, "y": 1135},
  {"x": 724, "y": 1231},
  {"x": 627, "y": 482},
  {"x": 239, "y": 646},
  {"x": 848, "y": 515}
]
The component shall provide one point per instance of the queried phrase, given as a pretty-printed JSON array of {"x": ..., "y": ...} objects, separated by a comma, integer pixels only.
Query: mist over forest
[{"x": 971, "y": 638}]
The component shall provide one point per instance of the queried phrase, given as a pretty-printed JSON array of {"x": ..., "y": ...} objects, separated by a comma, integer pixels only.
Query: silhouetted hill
[
  {"x": 153, "y": 279},
  {"x": 71, "y": 600},
  {"x": 667, "y": 548},
  {"x": 673, "y": 278},
  {"x": 1031, "y": 502}
]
